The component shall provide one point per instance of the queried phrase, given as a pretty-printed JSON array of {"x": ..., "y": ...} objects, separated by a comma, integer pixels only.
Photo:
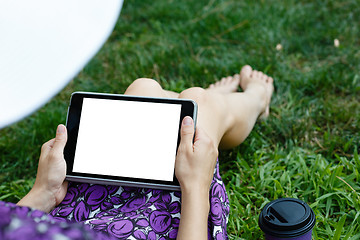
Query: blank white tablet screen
[{"x": 127, "y": 139}]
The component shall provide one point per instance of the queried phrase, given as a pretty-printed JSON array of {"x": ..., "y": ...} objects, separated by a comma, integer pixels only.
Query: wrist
[
  {"x": 196, "y": 195},
  {"x": 40, "y": 199},
  {"x": 195, "y": 188}
]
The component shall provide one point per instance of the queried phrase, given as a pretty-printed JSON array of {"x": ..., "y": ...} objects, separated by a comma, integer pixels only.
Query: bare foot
[
  {"x": 227, "y": 84},
  {"x": 257, "y": 82}
]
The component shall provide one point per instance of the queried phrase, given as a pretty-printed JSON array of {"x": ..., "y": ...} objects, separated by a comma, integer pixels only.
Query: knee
[
  {"x": 208, "y": 102},
  {"x": 199, "y": 95},
  {"x": 142, "y": 85}
]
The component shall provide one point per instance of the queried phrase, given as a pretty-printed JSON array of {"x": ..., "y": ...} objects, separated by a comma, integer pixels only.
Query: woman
[{"x": 225, "y": 119}]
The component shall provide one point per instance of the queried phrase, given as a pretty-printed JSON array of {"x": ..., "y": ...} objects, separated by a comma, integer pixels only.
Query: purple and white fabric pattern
[
  {"x": 23, "y": 223},
  {"x": 138, "y": 213}
]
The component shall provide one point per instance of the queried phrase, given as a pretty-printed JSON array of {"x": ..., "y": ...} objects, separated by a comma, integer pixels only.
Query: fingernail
[
  {"x": 60, "y": 129},
  {"x": 187, "y": 121}
]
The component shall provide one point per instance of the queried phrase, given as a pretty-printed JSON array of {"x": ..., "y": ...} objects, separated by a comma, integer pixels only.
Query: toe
[
  {"x": 245, "y": 71},
  {"x": 228, "y": 80},
  {"x": 237, "y": 78},
  {"x": 264, "y": 76}
]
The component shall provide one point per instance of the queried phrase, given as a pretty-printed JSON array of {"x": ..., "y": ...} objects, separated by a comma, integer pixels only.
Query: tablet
[{"x": 124, "y": 140}]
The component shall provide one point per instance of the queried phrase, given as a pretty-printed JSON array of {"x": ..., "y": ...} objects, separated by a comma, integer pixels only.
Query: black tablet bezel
[{"x": 188, "y": 108}]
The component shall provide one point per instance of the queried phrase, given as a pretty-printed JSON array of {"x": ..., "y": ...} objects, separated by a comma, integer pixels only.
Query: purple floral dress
[
  {"x": 139, "y": 213},
  {"x": 23, "y": 223},
  {"x": 125, "y": 213}
]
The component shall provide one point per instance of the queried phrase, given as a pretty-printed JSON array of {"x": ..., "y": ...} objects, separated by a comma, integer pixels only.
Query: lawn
[{"x": 309, "y": 146}]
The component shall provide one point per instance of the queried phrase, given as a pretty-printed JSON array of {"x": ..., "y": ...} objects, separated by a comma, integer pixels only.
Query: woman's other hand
[
  {"x": 194, "y": 168},
  {"x": 49, "y": 188},
  {"x": 195, "y": 161}
]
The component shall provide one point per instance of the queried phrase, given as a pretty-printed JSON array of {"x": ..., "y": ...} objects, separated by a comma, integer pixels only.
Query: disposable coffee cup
[{"x": 287, "y": 218}]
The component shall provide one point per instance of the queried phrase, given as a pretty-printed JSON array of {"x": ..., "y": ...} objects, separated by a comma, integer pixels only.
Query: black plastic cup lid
[{"x": 286, "y": 218}]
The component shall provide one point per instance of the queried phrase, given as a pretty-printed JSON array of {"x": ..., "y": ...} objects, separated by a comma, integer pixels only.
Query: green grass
[{"x": 309, "y": 146}]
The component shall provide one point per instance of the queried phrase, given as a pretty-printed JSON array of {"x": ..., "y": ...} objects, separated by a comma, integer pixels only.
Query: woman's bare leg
[
  {"x": 227, "y": 116},
  {"x": 244, "y": 108}
]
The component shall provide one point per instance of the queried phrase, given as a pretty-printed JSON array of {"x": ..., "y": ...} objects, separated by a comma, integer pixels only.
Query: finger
[
  {"x": 46, "y": 147},
  {"x": 187, "y": 133},
  {"x": 198, "y": 134},
  {"x": 60, "y": 140},
  {"x": 203, "y": 142},
  {"x": 201, "y": 137}
]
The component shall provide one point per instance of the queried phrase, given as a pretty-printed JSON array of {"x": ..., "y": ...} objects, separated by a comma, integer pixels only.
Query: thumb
[
  {"x": 60, "y": 139},
  {"x": 187, "y": 133}
]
